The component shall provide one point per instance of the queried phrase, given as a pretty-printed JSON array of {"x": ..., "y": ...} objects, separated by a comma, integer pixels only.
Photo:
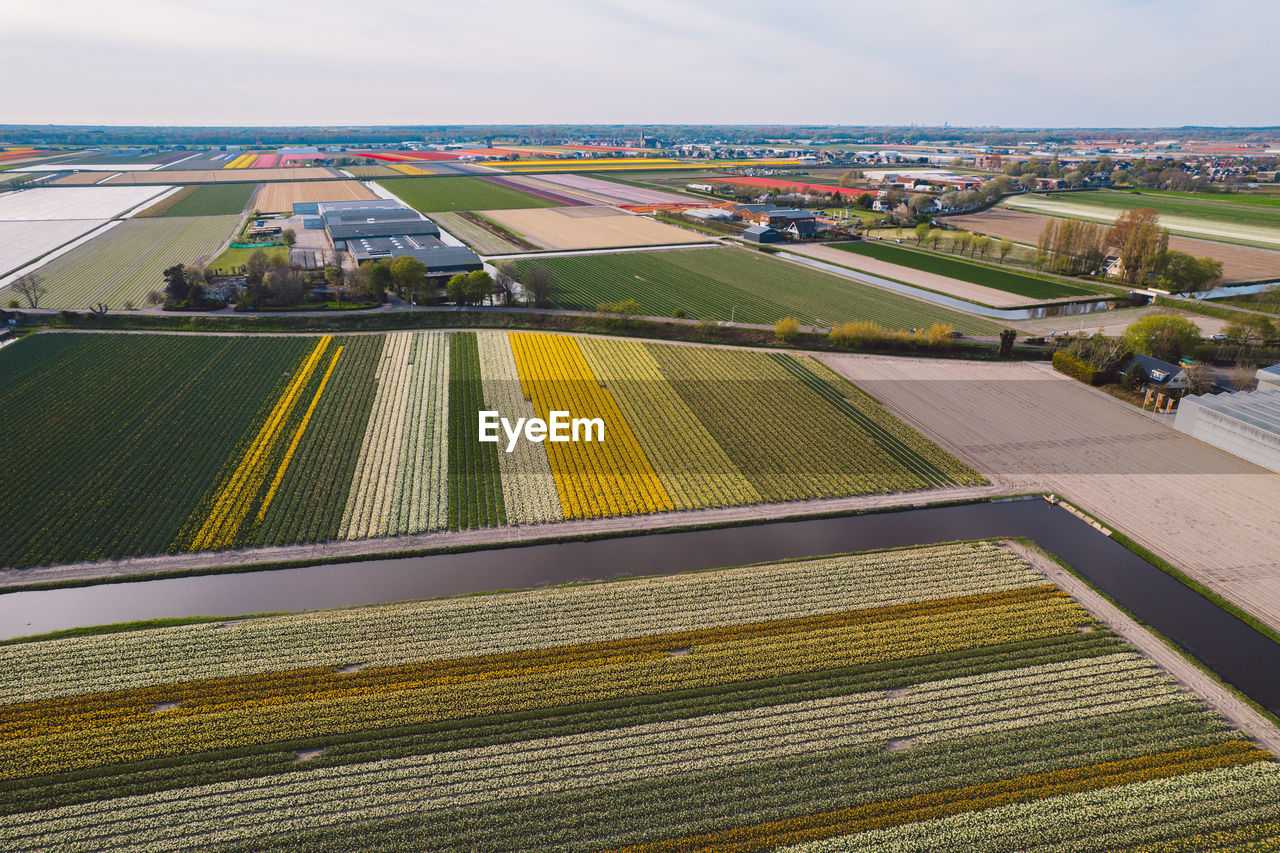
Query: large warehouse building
[
  {"x": 1245, "y": 423},
  {"x": 383, "y": 229}
]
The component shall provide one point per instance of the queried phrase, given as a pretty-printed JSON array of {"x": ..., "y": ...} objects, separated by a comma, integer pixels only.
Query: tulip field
[
  {"x": 132, "y": 444},
  {"x": 908, "y": 700}
]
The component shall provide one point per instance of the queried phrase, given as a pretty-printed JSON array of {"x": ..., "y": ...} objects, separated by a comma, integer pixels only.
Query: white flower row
[
  {"x": 1194, "y": 798},
  {"x": 478, "y": 625},
  {"x": 944, "y": 710},
  {"x": 529, "y": 491}
]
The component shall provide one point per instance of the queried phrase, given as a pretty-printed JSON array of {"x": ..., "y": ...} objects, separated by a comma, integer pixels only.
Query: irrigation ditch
[{"x": 1235, "y": 651}]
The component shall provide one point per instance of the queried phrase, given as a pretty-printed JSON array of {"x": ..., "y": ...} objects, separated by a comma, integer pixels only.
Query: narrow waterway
[{"x": 1239, "y": 654}]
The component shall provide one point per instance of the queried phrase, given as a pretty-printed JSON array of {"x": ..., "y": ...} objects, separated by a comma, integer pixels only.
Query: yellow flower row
[
  {"x": 68, "y": 738},
  {"x": 234, "y": 500},
  {"x": 594, "y": 478}
]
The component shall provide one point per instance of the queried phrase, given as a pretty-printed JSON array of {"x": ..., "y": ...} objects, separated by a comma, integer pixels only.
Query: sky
[{"x": 1100, "y": 63}]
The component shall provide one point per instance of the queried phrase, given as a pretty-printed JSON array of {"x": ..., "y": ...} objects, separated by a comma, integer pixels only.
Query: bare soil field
[
  {"x": 206, "y": 176},
  {"x": 82, "y": 179},
  {"x": 599, "y": 191},
  {"x": 588, "y": 228},
  {"x": 278, "y": 198},
  {"x": 1239, "y": 263},
  {"x": 907, "y": 275},
  {"x": 1032, "y": 429}
]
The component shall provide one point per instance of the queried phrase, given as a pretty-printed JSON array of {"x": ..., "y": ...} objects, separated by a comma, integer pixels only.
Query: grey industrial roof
[
  {"x": 1273, "y": 370},
  {"x": 355, "y": 230},
  {"x": 792, "y": 213},
  {"x": 758, "y": 229},
  {"x": 361, "y": 204},
  {"x": 1258, "y": 408},
  {"x": 438, "y": 257}
]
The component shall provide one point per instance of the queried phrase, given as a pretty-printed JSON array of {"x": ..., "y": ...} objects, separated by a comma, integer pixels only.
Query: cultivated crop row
[
  {"x": 488, "y": 625},
  {"x": 122, "y": 266},
  {"x": 899, "y": 700},
  {"x": 741, "y": 285},
  {"x": 383, "y": 438}
]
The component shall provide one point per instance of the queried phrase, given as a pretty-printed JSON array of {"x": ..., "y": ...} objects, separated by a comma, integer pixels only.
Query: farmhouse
[
  {"x": 1245, "y": 423},
  {"x": 1159, "y": 374}
]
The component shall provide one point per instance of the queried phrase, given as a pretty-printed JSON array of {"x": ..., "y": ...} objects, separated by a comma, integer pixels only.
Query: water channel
[{"x": 1237, "y": 652}]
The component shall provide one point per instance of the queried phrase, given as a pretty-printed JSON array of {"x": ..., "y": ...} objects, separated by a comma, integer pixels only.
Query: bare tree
[
  {"x": 538, "y": 284},
  {"x": 31, "y": 288},
  {"x": 99, "y": 310},
  {"x": 504, "y": 282}
]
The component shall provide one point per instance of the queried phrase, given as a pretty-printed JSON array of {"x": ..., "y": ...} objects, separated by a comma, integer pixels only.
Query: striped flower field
[
  {"x": 941, "y": 697},
  {"x": 212, "y": 443}
]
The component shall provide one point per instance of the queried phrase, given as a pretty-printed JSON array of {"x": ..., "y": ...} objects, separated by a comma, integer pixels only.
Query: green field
[
  {"x": 120, "y": 445},
  {"x": 739, "y": 284},
  {"x": 207, "y": 200},
  {"x": 446, "y": 194},
  {"x": 123, "y": 265},
  {"x": 999, "y": 279},
  {"x": 232, "y": 258},
  {"x": 1219, "y": 207}
]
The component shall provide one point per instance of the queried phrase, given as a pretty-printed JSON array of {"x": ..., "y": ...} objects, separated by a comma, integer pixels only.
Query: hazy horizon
[{"x": 983, "y": 64}]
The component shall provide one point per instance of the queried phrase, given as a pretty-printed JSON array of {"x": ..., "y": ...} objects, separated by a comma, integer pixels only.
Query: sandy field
[
  {"x": 82, "y": 179},
  {"x": 1239, "y": 263},
  {"x": 278, "y": 198},
  {"x": 1032, "y": 429},
  {"x": 597, "y": 191},
  {"x": 589, "y": 228},
  {"x": 1187, "y": 226},
  {"x": 207, "y": 176},
  {"x": 907, "y": 275}
]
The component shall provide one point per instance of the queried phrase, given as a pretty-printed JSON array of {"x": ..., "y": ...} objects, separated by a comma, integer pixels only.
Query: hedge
[{"x": 1065, "y": 362}]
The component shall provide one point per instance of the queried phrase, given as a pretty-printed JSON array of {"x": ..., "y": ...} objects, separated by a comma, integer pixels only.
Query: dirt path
[
  {"x": 1155, "y": 648},
  {"x": 356, "y": 549}
]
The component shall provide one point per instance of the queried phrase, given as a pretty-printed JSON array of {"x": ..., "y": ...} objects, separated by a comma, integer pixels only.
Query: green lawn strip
[
  {"x": 999, "y": 279},
  {"x": 204, "y": 200},
  {"x": 142, "y": 425},
  {"x": 679, "y": 804},
  {"x": 340, "y": 750},
  {"x": 475, "y": 485},
  {"x": 231, "y": 259},
  {"x": 1194, "y": 205},
  {"x": 738, "y": 284},
  {"x": 460, "y": 193},
  {"x": 313, "y": 492},
  {"x": 894, "y": 446}
]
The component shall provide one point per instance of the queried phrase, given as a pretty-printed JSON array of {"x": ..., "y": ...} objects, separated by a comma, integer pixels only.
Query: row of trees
[{"x": 1142, "y": 246}]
